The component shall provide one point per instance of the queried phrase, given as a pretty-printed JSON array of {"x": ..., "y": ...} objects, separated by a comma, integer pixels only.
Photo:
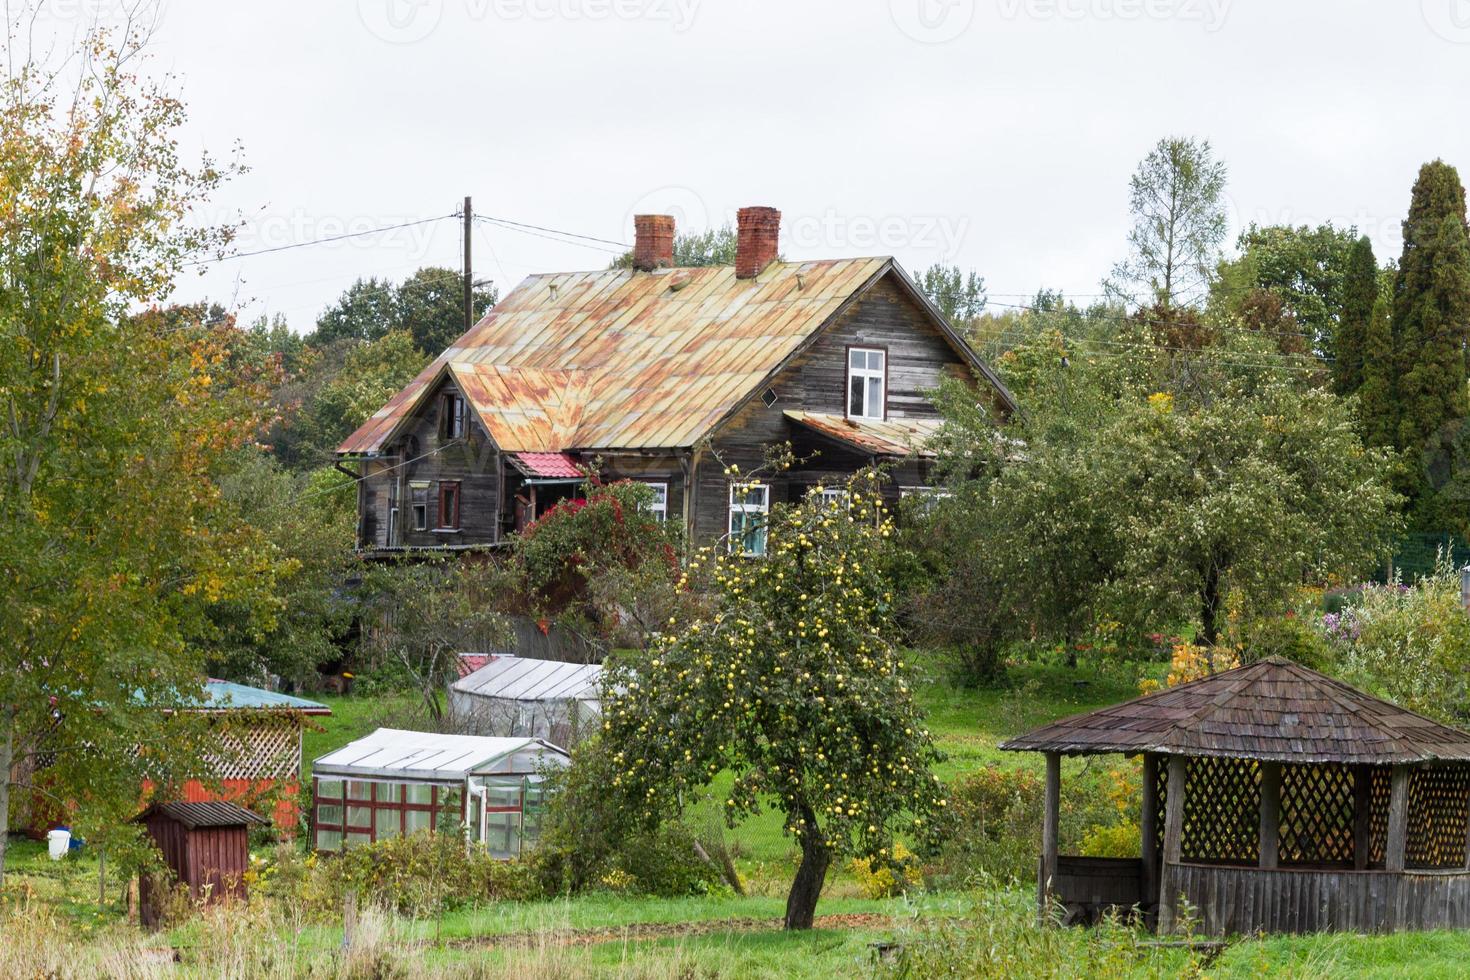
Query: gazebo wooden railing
[{"x": 1275, "y": 799}]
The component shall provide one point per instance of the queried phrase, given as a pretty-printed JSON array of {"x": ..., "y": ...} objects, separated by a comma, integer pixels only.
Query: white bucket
[{"x": 57, "y": 843}]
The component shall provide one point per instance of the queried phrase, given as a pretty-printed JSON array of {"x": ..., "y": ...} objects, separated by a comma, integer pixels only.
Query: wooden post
[
  {"x": 1050, "y": 816},
  {"x": 1398, "y": 820},
  {"x": 1362, "y": 816},
  {"x": 349, "y": 919},
  {"x": 1270, "y": 827},
  {"x": 1175, "y": 789},
  {"x": 1148, "y": 826}
]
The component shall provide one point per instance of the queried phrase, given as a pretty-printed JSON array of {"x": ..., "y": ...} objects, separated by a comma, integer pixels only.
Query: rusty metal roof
[
  {"x": 624, "y": 359},
  {"x": 880, "y": 437}
]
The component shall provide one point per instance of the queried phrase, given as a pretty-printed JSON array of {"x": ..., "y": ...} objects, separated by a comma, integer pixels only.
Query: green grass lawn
[{"x": 729, "y": 936}]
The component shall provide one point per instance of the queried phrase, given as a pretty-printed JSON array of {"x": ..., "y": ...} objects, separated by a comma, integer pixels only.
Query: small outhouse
[
  {"x": 396, "y": 782},
  {"x": 205, "y": 845}
]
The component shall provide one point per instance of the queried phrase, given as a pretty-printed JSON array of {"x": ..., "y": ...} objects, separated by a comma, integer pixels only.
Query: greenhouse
[{"x": 396, "y": 782}]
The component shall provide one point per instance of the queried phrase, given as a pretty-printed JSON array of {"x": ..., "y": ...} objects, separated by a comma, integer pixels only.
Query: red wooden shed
[{"x": 206, "y": 846}]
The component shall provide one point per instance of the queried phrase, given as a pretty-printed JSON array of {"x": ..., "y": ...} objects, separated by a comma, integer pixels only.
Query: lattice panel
[
  {"x": 264, "y": 747},
  {"x": 1316, "y": 814},
  {"x": 1221, "y": 810},
  {"x": 1378, "y": 815},
  {"x": 1439, "y": 803}
]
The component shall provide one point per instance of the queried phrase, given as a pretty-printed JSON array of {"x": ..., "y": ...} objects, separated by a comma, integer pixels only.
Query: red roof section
[
  {"x": 553, "y": 465},
  {"x": 471, "y": 662}
]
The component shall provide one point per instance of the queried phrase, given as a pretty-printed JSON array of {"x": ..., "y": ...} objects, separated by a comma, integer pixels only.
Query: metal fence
[{"x": 1415, "y": 555}]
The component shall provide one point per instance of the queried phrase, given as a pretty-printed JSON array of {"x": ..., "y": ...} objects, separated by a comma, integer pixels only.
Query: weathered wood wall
[
  {"x": 918, "y": 359},
  {"x": 474, "y": 463},
  {"x": 1232, "y": 901}
]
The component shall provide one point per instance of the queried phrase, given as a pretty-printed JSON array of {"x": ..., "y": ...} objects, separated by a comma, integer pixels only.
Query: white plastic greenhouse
[
  {"x": 396, "y": 782},
  {"x": 512, "y": 695}
]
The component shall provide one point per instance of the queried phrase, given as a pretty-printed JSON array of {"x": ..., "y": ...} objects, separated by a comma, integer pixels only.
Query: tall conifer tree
[
  {"x": 1431, "y": 321},
  {"x": 1377, "y": 409},
  {"x": 1359, "y": 294}
]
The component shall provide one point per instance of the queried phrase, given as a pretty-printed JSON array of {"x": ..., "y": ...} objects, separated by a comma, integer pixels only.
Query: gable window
[
  {"x": 449, "y": 505},
  {"x": 420, "y": 505},
  {"x": 451, "y": 416},
  {"x": 659, "y": 505},
  {"x": 867, "y": 381},
  {"x": 750, "y": 504}
]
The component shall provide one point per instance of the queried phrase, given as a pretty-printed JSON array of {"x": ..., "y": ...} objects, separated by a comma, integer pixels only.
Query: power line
[
  {"x": 322, "y": 241},
  {"x": 354, "y": 481},
  {"x": 572, "y": 239},
  {"x": 553, "y": 231}
]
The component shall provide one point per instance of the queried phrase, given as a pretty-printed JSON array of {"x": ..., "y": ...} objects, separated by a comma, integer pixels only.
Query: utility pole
[{"x": 469, "y": 268}]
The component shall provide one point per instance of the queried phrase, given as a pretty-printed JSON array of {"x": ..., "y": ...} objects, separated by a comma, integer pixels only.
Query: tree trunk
[
  {"x": 801, "y": 904},
  {"x": 7, "y": 750},
  {"x": 1210, "y": 611}
]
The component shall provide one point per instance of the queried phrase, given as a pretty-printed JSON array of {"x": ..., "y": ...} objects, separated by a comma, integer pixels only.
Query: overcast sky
[{"x": 997, "y": 135}]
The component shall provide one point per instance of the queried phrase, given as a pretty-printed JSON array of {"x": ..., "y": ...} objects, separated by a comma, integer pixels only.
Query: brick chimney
[
  {"x": 755, "y": 241},
  {"x": 653, "y": 242}
]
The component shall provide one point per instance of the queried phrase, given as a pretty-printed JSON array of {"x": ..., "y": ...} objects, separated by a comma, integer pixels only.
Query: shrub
[
  {"x": 1410, "y": 644},
  {"x": 588, "y": 841},
  {"x": 885, "y": 879},
  {"x": 1290, "y": 636},
  {"x": 417, "y": 875},
  {"x": 998, "y": 814}
]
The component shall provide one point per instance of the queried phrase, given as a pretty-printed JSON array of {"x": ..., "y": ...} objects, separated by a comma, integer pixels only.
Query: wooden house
[
  {"x": 206, "y": 847},
  {"x": 666, "y": 376},
  {"x": 1275, "y": 799}
]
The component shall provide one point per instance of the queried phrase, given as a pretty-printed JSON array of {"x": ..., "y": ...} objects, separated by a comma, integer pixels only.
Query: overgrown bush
[
  {"x": 417, "y": 875},
  {"x": 878, "y": 878},
  {"x": 1410, "y": 644},
  {"x": 998, "y": 814},
  {"x": 588, "y": 841}
]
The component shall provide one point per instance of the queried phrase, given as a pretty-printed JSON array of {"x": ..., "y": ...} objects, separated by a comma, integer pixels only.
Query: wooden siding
[
  {"x": 210, "y": 861},
  {"x": 1090, "y": 888},
  {"x": 918, "y": 359},
  {"x": 1236, "y": 901},
  {"x": 475, "y": 464}
]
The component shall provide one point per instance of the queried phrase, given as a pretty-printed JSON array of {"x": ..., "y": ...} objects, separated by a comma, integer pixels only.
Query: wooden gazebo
[{"x": 1306, "y": 805}]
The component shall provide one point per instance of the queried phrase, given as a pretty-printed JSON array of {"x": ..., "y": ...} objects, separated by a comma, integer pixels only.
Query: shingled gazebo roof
[{"x": 1271, "y": 711}]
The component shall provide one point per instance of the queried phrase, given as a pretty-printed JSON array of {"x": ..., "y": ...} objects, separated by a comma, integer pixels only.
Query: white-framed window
[
  {"x": 831, "y": 496},
  {"x": 420, "y": 504},
  {"x": 927, "y": 497},
  {"x": 659, "y": 505},
  {"x": 867, "y": 381},
  {"x": 393, "y": 525},
  {"x": 750, "y": 505}
]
